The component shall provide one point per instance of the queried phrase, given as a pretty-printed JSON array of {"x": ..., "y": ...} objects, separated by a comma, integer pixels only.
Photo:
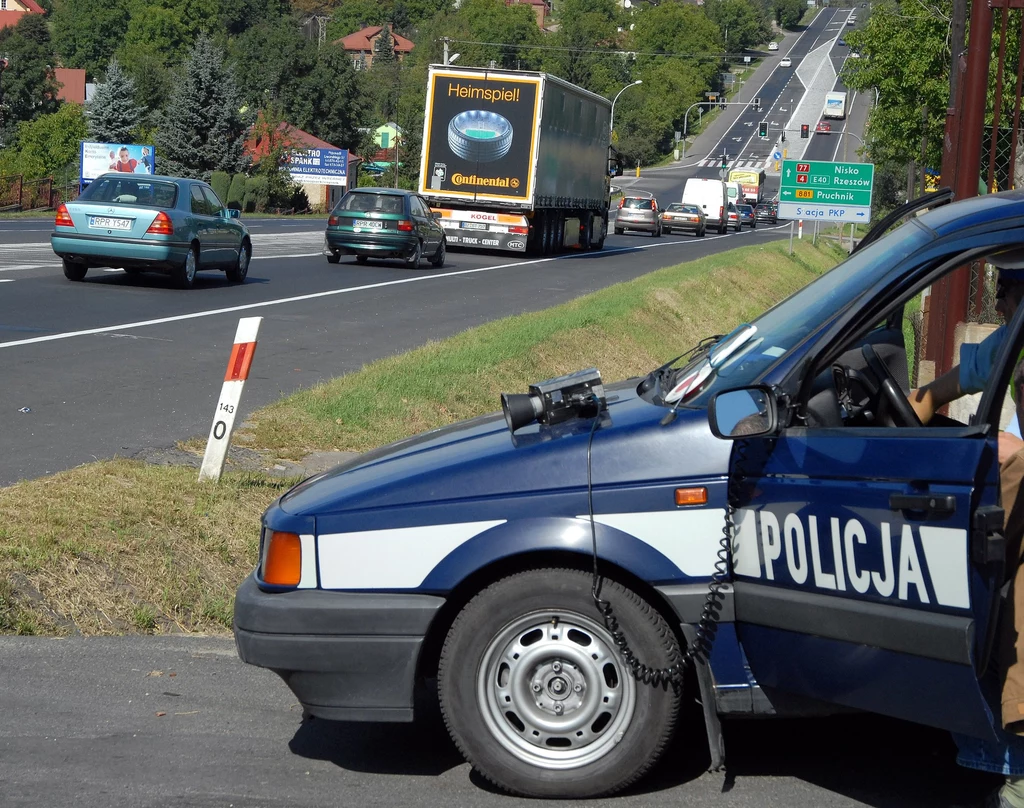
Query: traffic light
[
  {"x": 805, "y": 130},
  {"x": 762, "y": 129},
  {"x": 725, "y": 161}
]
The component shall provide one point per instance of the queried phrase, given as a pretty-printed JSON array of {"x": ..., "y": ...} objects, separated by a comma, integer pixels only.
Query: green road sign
[{"x": 820, "y": 183}]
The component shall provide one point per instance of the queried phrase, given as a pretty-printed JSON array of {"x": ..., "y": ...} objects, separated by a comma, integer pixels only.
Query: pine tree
[
  {"x": 114, "y": 117},
  {"x": 384, "y": 47},
  {"x": 201, "y": 129}
]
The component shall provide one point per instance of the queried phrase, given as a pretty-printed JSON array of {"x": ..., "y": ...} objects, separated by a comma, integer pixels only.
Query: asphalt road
[
  {"x": 179, "y": 722},
  {"x": 118, "y": 365}
]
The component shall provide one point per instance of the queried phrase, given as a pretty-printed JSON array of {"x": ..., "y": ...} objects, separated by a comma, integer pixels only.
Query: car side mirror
[
  {"x": 435, "y": 215},
  {"x": 743, "y": 413},
  {"x": 230, "y": 213}
]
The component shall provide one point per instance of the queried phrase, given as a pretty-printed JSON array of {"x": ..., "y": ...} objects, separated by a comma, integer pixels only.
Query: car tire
[
  {"x": 185, "y": 273},
  {"x": 334, "y": 258},
  {"x": 439, "y": 257},
  {"x": 753, "y": 225},
  {"x": 656, "y": 233},
  {"x": 360, "y": 259},
  {"x": 619, "y": 231},
  {"x": 413, "y": 261},
  {"x": 702, "y": 232},
  {"x": 485, "y": 668},
  {"x": 241, "y": 268},
  {"x": 133, "y": 272},
  {"x": 73, "y": 270}
]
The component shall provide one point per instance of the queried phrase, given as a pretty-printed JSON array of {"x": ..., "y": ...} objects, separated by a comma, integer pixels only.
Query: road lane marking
[{"x": 347, "y": 290}]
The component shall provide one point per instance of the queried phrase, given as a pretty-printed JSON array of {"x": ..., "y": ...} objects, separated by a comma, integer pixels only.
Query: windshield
[
  {"x": 638, "y": 204},
  {"x": 751, "y": 349},
  {"x": 128, "y": 191}
]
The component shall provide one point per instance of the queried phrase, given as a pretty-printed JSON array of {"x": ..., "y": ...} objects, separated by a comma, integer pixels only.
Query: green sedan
[
  {"x": 385, "y": 223},
  {"x": 142, "y": 222}
]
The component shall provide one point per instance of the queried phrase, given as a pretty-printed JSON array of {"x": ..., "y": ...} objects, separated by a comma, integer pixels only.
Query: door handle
[{"x": 932, "y": 504}]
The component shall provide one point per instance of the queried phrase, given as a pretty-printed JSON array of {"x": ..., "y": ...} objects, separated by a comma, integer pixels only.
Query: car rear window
[
  {"x": 129, "y": 191},
  {"x": 676, "y": 207},
  {"x": 362, "y": 202},
  {"x": 638, "y": 204}
]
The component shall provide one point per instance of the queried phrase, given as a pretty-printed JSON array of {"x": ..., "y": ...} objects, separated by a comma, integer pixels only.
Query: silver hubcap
[
  {"x": 190, "y": 265},
  {"x": 243, "y": 260},
  {"x": 554, "y": 692}
]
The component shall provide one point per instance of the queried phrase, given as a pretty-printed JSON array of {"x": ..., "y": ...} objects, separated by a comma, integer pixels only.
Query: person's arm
[{"x": 927, "y": 400}]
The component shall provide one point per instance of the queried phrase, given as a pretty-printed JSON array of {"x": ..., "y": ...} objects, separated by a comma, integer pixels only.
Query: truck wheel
[
  {"x": 536, "y": 696},
  {"x": 586, "y": 230},
  {"x": 549, "y": 232},
  {"x": 600, "y": 232}
]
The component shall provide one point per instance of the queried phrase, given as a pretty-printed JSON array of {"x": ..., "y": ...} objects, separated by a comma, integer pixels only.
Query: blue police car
[{"x": 768, "y": 508}]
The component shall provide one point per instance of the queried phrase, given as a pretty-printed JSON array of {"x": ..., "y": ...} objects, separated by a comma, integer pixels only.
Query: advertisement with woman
[{"x": 129, "y": 158}]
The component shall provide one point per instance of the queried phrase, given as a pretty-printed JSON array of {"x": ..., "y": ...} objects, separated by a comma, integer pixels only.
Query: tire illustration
[
  {"x": 185, "y": 273},
  {"x": 74, "y": 271},
  {"x": 479, "y": 135},
  {"x": 536, "y": 696},
  {"x": 237, "y": 273}
]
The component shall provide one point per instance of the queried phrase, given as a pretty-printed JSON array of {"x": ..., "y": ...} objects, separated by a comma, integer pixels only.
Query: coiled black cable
[{"x": 707, "y": 626}]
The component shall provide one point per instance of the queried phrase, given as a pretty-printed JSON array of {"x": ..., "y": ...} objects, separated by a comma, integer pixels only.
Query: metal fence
[{"x": 20, "y": 194}]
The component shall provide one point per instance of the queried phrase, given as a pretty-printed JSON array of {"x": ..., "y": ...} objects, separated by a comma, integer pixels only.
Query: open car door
[{"x": 868, "y": 560}]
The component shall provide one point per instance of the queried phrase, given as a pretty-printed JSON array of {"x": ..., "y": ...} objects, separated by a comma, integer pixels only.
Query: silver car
[{"x": 638, "y": 213}]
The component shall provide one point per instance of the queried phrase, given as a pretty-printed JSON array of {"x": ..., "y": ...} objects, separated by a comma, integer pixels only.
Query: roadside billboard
[
  {"x": 130, "y": 158},
  {"x": 318, "y": 166},
  {"x": 479, "y": 136}
]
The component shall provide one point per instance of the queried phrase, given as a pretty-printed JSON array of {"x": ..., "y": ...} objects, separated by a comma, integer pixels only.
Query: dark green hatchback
[{"x": 384, "y": 223}]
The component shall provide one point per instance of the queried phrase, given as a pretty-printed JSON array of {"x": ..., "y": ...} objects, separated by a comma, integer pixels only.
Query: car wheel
[
  {"x": 360, "y": 259},
  {"x": 413, "y": 261},
  {"x": 438, "y": 260},
  {"x": 753, "y": 225},
  {"x": 536, "y": 696},
  {"x": 185, "y": 273},
  {"x": 334, "y": 258},
  {"x": 73, "y": 270},
  {"x": 619, "y": 231},
  {"x": 241, "y": 269},
  {"x": 132, "y": 271}
]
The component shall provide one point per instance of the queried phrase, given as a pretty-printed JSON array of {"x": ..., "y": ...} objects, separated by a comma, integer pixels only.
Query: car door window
[
  {"x": 213, "y": 204},
  {"x": 199, "y": 204}
]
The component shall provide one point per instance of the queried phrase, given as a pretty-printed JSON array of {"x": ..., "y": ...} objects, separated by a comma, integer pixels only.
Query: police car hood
[{"x": 480, "y": 458}]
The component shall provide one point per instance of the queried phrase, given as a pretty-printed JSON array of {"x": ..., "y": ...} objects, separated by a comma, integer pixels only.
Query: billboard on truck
[{"x": 480, "y": 136}]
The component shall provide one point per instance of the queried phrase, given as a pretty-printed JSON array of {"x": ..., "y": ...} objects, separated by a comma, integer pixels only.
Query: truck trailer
[
  {"x": 515, "y": 160},
  {"x": 835, "y": 105}
]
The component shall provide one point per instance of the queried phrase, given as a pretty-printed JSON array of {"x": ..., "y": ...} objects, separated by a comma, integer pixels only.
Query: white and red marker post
[{"x": 230, "y": 395}]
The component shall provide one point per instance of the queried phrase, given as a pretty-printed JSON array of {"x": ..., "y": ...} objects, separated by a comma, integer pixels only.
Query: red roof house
[
  {"x": 72, "y": 83},
  {"x": 360, "y": 45},
  {"x": 259, "y": 142},
  {"x": 13, "y": 10}
]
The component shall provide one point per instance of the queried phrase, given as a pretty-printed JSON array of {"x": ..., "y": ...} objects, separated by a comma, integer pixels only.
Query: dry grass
[{"x": 125, "y": 547}]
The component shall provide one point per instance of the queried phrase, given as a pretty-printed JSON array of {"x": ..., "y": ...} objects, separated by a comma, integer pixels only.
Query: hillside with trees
[{"x": 193, "y": 76}]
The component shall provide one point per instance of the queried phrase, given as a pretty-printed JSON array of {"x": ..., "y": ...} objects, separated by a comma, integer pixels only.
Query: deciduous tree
[
  {"x": 29, "y": 88},
  {"x": 86, "y": 33}
]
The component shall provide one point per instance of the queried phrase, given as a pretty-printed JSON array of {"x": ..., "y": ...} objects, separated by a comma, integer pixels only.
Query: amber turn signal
[
  {"x": 691, "y": 496},
  {"x": 283, "y": 563}
]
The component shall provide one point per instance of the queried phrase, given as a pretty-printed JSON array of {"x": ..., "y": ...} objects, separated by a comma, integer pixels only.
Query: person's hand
[
  {"x": 922, "y": 402},
  {"x": 1009, "y": 445}
]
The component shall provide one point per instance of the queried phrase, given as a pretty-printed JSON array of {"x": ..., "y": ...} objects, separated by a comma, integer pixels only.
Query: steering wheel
[{"x": 898, "y": 403}]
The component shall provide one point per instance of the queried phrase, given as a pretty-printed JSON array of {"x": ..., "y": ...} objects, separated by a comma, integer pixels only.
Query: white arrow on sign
[{"x": 788, "y": 172}]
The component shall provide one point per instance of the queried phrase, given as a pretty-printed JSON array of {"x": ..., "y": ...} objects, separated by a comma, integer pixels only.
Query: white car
[
  {"x": 786, "y": 62},
  {"x": 773, "y": 46}
]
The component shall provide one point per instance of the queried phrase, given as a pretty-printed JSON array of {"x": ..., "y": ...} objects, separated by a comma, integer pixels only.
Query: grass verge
[{"x": 124, "y": 547}]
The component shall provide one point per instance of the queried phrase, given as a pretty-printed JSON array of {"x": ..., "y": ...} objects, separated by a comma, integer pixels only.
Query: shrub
[
  {"x": 220, "y": 181},
  {"x": 236, "y": 192}
]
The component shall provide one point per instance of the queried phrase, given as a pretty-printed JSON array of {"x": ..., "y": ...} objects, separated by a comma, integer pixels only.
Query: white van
[{"x": 710, "y": 195}]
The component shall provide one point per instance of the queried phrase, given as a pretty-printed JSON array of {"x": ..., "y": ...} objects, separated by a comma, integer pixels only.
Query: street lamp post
[{"x": 611, "y": 121}]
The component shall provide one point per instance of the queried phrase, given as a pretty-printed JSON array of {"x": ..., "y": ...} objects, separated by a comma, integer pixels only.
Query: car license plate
[
  {"x": 473, "y": 226},
  {"x": 367, "y": 224},
  {"x": 106, "y": 223}
]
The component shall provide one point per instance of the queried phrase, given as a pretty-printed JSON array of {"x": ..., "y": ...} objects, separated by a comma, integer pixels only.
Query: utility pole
[
  {"x": 924, "y": 145},
  {"x": 957, "y": 44}
]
